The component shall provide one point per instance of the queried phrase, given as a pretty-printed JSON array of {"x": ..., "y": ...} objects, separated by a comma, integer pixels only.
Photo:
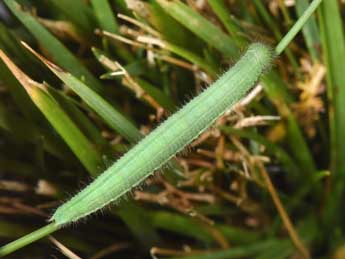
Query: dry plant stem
[
  {"x": 155, "y": 251},
  {"x": 64, "y": 250},
  {"x": 139, "y": 24},
  {"x": 282, "y": 212},
  {"x": 110, "y": 249}
]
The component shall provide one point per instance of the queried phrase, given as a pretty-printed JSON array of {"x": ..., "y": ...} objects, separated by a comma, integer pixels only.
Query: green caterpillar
[{"x": 169, "y": 138}]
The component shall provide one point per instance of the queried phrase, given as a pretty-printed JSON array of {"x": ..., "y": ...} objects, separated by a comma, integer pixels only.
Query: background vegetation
[{"x": 265, "y": 182}]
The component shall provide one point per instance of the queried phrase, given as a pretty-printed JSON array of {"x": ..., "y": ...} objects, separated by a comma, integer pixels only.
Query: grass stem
[
  {"x": 297, "y": 27},
  {"x": 28, "y": 239}
]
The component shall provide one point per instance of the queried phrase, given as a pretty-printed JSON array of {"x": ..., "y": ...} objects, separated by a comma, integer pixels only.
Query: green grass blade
[
  {"x": 284, "y": 42},
  {"x": 157, "y": 94},
  {"x": 172, "y": 31},
  {"x": 275, "y": 29},
  {"x": 19, "y": 95},
  {"x": 25, "y": 240},
  {"x": 14, "y": 124},
  {"x": 333, "y": 44},
  {"x": 137, "y": 220},
  {"x": 247, "y": 251},
  {"x": 81, "y": 120},
  {"x": 310, "y": 30},
  {"x": 194, "y": 21},
  {"x": 193, "y": 58},
  {"x": 219, "y": 7},
  {"x": 12, "y": 230},
  {"x": 275, "y": 90},
  {"x": 60, "y": 54},
  {"x": 193, "y": 228},
  {"x": 105, "y": 15},
  {"x": 113, "y": 118},
  {"x": 79, "y": 144},
  {"x": 79, "y": 13}
]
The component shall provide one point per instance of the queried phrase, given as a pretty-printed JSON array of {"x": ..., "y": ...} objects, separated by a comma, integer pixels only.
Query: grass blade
[
  {"x": 114, "y": 119},
  {"x": 194, "y": 21},
  {"x": 14, "y": 124},
  {"x": 60, "y": 54},
  {"x": 333, "y": 43},
  {"x": 79, "y": 13},
  {"x": 172, "y": 30},
  {"x": 105, "y": 17},
  {"x": 247, "y": 251},
  {"x": 221, "y": 10},
  {"x": 82, "y": 121},
  {"x": 274, "y": 28},
  {"x": 283, "y": 44},
  {"x": 193, "y": 228},
  {"x": 310, "y": 31},
  {"x": 82, "y": 148},
  {"x": 34, "y": 236}
]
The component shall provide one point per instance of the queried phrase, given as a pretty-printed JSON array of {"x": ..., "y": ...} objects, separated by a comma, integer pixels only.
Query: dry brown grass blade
[{"x": 282, "y": 212}]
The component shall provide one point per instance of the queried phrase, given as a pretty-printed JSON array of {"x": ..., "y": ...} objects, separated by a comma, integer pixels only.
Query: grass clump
[{"x": 264, "y": 182}]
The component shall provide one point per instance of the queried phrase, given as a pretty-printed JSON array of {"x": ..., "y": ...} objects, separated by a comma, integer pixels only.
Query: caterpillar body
[{"x": 169, "y": 138}]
